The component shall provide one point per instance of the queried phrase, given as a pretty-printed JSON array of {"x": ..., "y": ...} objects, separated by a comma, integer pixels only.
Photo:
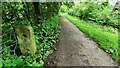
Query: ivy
[{"x": 45, "y": 23}]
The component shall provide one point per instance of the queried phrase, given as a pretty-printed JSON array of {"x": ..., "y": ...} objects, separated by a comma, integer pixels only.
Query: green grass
[{"x": 106, "y": 37}]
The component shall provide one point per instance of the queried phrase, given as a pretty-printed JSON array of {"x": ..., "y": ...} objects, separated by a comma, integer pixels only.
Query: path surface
[{"x": 76, "y": 49}]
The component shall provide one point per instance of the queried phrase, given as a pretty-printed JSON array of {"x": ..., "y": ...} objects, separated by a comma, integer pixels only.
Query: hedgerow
[
  {"x": 99, "y": 13},
  {"x": 42, "y": 17}
]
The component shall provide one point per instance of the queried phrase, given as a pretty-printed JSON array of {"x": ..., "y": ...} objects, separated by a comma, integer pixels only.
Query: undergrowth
[{"x": 46, "y": 36}]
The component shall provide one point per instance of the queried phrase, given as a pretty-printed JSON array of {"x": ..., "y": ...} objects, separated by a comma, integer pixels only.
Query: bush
[
  {"x": 98, "y": 13},
  {"x": 63, "y": 8},
  {"x": 45, "y": 26}
]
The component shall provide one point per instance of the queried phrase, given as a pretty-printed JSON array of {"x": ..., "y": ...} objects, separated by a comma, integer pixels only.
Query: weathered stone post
[{"x": 26, "y": 40}]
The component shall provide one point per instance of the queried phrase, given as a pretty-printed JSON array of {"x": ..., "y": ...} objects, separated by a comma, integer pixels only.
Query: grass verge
[{"x": 106, "y": 37}]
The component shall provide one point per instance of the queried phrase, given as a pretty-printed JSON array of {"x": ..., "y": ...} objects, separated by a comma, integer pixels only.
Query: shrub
[
  {"x": 63, "y": 8},
  {"x": 45, "y": 26},
  {"x": 98, "y": 13}
]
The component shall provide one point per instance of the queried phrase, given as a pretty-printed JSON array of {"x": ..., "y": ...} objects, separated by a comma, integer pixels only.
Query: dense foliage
[
  {"x": 42, "y": 17},
  {"x": 66, "y": 6},
  {"x": 99, "y": 13}
]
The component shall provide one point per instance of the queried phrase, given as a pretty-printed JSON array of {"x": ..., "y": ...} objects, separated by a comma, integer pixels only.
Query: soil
[{"x": 77, "y": 49}]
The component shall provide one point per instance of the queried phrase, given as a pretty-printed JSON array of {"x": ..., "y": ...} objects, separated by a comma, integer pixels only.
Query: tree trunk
[{"x": 37, "y": 12}]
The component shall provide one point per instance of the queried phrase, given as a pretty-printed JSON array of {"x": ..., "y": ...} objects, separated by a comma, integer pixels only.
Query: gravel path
[{"x": 76, "y": 49}]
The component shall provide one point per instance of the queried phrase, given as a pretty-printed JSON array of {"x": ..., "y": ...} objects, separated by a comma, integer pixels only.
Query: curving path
[{"x": 76, "y": 49}]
